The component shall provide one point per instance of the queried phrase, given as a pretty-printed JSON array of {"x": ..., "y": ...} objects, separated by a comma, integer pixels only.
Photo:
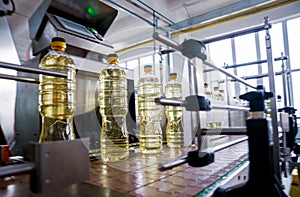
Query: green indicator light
[
  {"x": 91, "y": 11},
  {"x": 93, "y": 30}
]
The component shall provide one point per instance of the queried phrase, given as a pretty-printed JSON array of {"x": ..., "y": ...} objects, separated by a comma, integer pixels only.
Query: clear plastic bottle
[
  {"x": 150, "y": 134},
  {"x": 57, "y": 96},
  {"x": 207, "y": 91},
  {"x": 174, "y": 131},
  {"x": 208, "y": 94},
  {"x": 217, "y": 95},
  {"x": 113, "y": 106}
]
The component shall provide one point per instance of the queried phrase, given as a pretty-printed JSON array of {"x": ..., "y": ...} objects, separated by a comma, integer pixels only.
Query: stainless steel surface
[
  {"x": 167, "y": 41},
  {"x": 33, "y": 70},
  {"x": 59, "y": 164},
  {"x": 229, "y": 107},
  {"x": 71, "y": 21},
  {"x": 272, "y": 100},
  {"x": 245, "y": 64},
  {"x": 172, "y": 102},
  {"x": 21, "y": 79},
  {"x": 8, "y": 53},
  {"x": 228, "y": 144},
  {"x": 284, "y": 80},
  {"x": 16, "y": 169}
]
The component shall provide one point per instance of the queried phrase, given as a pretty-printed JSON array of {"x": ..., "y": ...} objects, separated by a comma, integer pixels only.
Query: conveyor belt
[{"x": 139, "y": 176}]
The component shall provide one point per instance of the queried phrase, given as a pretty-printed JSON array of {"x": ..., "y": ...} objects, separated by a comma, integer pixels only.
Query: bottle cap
[
  {"x": 58, "y": 42},
  {"x": 173, "y": 76},
  {"x": 216, "y": 88},
  {"x": 112, "y": 58},
  {"x": 112, "y": 55},
  {"x": 148, "y": 68}
]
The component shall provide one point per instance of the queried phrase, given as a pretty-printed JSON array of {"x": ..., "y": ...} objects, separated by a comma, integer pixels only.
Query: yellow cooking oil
[
  {"x": 113, "y": 106},
  {"x": 57, "y": 96},
  {"x": 174, "y": 131},
  {"x": 150, "y": 131}
]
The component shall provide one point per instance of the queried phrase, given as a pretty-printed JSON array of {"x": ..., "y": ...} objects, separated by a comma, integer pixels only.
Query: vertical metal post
[
  {"x": 258, "y": 55},
  {"x": 272, "y": 100},
  {"x": 288, "y": 65},
  {"x": 195, "y": 87},
  {"x": 284, "y": 80}
]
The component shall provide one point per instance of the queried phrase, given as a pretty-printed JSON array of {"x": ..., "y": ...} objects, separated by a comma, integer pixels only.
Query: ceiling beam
[{"x": 212, "y": 15}]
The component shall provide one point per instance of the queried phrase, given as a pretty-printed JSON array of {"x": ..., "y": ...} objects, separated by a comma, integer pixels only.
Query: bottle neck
[
  {"x": 148, "y": 73},
  {"x": 58, "y": 49},
  {"x": 114, "y": 62}
]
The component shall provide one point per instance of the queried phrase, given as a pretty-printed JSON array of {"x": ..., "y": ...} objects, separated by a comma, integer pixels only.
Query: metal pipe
[
  {"x": 21, "y": 79},
  {"x": 184, "y": 159},
  {"x": 288, "y": 65},
  {"x": 173, "y": 163},
  {"x": 260, "y": 76},
  {"x": 166, "y": 19},
  {"x": 228, "y": 144},
  {"x": 246, "y": 64},
  {"x": 176, "y": 102},
  {"x": 234, "y": 34},
  {"x": 167, "y": 41},
  {"x": 294, "y": 70},
  {"x": 273, "y": 100},
  {"x": 33, "y": 70},
  {"x": 170, "y": 101},
  {"x": 284, "y": 78},
  {"x": 130, "y": 12},
  {"x": 16, "y": 169},
  {"x": 229, "y": 107},
  {"x": 229, "y": 74},
  {"x": 225, "y": 131}
]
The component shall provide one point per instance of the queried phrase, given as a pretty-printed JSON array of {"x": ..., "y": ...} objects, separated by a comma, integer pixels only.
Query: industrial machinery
[{"x": 84, "y": 30}]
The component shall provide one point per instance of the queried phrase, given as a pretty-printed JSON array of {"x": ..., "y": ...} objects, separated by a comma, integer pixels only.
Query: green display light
[{"x": 91, "y": 11}]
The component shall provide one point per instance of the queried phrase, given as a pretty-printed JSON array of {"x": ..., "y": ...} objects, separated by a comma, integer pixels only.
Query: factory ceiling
[{"x": 137, "y": 19}]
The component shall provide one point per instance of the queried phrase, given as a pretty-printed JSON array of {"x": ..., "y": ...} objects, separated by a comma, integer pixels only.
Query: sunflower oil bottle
[
  {"x": 174, "y": 131},
  {"x": 150, "y": 133},
  {"x": 113, "y": 106},
  {"x": 57, "y": 96}
]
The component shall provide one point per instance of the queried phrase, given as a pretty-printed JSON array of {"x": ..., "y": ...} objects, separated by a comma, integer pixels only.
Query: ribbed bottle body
[
  {"x": 113, "y": 109},
  {"x": 150, "y": 134},
  {"x": 174, "y": 131},
  {"x": 57, "y": 98}
]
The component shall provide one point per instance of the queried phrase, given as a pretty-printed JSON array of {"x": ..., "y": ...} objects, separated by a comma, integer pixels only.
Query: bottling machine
[{"x": 84, "y": 30}]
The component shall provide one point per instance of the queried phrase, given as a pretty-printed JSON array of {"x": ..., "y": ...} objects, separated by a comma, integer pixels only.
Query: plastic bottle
[
  {"x": 208, "y": 95},
  {"x": 207, "y": 91},
  {"x": 57, "y": 96},
  {"x": 113, "y": 106},
  {"x": 294, "y": 189},
  {"x": 217, "y": 95},
  {"x": 150, "y": 133},
  {"x": 174, "y": 131}
]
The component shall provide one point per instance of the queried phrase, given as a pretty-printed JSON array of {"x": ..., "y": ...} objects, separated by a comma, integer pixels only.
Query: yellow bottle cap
[
  {"x": 173, "y": 76},
  {"x": 112, "y": 58},
  {"x": 58, "y": 42},
  {"x": 148, "y": 68}
]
